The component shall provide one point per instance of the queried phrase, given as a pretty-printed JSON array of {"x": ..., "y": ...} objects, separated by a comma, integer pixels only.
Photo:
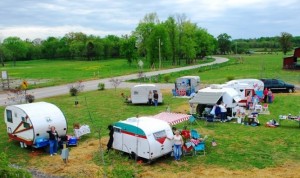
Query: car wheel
[{"x": 290, "y": 90}]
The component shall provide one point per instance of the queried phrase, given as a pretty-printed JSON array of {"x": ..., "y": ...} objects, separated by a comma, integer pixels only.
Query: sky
[{"x": 31, "y": 19}]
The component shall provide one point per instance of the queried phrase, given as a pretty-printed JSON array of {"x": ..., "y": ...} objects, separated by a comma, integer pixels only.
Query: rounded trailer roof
[
  {"x": 147, "y": 124},
  {"x": 41, "y": 110},
  {"x": 144, "y": 85}
]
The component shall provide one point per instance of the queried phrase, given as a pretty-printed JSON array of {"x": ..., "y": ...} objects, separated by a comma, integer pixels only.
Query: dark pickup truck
[{"x": 277, "y": 85}]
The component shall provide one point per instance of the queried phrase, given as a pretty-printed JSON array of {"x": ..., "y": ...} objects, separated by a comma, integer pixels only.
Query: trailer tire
[{"x": 200, "y": 108}]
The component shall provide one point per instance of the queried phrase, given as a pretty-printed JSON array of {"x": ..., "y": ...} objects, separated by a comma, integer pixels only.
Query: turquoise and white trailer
[{"x": 145, "y": 137}]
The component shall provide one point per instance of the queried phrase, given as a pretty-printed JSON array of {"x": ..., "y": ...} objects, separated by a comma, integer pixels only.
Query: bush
[
  {"x": 73, "y": 91},
  {"x": 101, "y": 86},
  {"x": 167, "y": 78},
  {"x": 6, "y": 170},
  {"x": 76, "y": 88},
  {"x": 230, "y": 78},
  {"x": 29, "y": 98}
]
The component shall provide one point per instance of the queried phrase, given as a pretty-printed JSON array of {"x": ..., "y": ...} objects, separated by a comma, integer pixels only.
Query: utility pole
[
  {"x": 159, "y": 57},
  {"x": 235, "y": 47}
]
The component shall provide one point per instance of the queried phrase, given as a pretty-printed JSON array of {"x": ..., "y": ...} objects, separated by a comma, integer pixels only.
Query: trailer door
[{"x": 118, "y": 139}]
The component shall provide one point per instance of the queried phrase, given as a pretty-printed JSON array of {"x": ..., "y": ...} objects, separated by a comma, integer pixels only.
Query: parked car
[{"x": 277, "y": 85}]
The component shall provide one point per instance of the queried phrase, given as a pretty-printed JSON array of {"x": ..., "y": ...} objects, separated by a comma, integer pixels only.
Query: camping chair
[
  {"x": 195, "y": 134},
  {"x": 192, "y": 120},
  {"x": 200, "y": 147},
  {"x": 209, "y": 119},
  {"x": 265, "y": 107}
]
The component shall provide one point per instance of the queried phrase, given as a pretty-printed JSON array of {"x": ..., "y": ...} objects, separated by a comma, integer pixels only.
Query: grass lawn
[
  {"x": 253, "y": 66},
  {"x": 56, "y": 72},
  {"x": 239, "y": 147}
]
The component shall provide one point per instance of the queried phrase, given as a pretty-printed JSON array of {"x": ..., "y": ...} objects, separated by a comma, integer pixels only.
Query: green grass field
[{"x": 239, "y": 147}]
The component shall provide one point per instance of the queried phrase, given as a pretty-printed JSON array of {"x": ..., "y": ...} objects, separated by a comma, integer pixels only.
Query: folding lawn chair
[
  {"x": 209, "y": 119},
  {"x": 200, "y": 147},
  {"x": 192, "y": 120}
]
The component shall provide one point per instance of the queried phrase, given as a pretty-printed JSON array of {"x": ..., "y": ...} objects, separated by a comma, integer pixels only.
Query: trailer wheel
[{"x": 200, "y": 108}]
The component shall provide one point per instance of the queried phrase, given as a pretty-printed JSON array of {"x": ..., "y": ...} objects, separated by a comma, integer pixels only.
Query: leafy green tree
[
  {"x": 224, "y": 43},
  {"x": 128, "y": 48},
  {"x": 90, "y": 50},
  {"x": 206, "y": 43},
  {"x": 188, "y": 43},
  {"x": 142, "y": 33},
  {"x": 172, "y": 30},
  {"x": 285, "y": 41},
  {"x": 16, "y": 48},
  {"x": 50, "y": 47}
]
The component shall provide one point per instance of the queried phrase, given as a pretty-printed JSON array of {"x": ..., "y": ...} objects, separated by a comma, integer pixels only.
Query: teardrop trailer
[
  {"x": 28, "y": 123},
  {"x": 145, "y": 137}
]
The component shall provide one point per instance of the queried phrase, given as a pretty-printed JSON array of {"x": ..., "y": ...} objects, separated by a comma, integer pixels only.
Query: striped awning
[{"x": 172, "y": 118}]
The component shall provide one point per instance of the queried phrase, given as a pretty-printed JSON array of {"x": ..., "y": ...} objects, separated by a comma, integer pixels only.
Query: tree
[
  {"x": 172, "y": 30},
  {"x": 16, "y": 47},
  {"x": 90, "y": 51},
  {"x": 285, "y": 41},
  {"x": 224, "y": 43},
  {"x": 128, "y": 48},
  {"x": 188, "y": 43}
]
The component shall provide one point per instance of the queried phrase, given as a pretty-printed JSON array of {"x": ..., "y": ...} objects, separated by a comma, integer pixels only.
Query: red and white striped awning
[{"x": 172, "y": 118}]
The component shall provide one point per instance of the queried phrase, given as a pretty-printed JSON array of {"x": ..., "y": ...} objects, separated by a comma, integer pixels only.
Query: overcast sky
[{"x": 238, "y": 18}]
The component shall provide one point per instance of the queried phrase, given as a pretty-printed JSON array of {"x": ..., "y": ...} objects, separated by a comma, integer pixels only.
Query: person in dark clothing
[
  {"x": 111, "y": 137},
  {"x": 155, "y": 97},
  {"x": 53, "y": 140}
]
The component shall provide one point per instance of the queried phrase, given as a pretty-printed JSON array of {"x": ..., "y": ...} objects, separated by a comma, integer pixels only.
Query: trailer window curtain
[{"x": 9, "y": 116}]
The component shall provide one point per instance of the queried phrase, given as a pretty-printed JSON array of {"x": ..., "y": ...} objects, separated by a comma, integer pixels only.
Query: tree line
[{"x": 176, "y": 40}]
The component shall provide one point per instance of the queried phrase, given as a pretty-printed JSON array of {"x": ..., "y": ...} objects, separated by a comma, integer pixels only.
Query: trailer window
[
  {"x": 160, "y": 134},
  {"x": 9, "y": 116},
  {"x": 26, "y": 125},
  {"x": 135, "y": 92},
  {"x": 117, "y": 130}
]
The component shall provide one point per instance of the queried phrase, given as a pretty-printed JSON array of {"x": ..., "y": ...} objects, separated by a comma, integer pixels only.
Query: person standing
[
  {"x": 53, "y": 140},
  {"x": 178, "y": 143},
  {"x": 150, "y": 96},
  {"x": 155, "y": 97},
  {"x": 270, "y": 95},
  {"x": 111, "y": 137},
  {"x": 223, "y": 112},
  {"x": 265, "y": 95}
]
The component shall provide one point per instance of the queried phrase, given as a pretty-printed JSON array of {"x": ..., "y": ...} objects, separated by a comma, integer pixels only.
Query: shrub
[
  {"x": 76, "y": 88},
  {"x": 167, "y": 78},
  {"x": 29, "y": 98},
  {"x": 230, "y": 78},
  {"x": 101, "y": 86}
]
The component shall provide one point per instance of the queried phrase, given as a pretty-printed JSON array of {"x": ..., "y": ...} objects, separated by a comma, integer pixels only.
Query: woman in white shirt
[{"x": 178, "y": 143}]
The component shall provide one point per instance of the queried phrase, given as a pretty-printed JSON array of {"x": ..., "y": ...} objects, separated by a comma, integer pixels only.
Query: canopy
[
  {"x": 206, "y": 97},
  {"x": 172, "y": 118}
]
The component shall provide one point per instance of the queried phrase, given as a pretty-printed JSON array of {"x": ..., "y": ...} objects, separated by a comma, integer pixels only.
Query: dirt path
[{"x": 83, "y": 154}]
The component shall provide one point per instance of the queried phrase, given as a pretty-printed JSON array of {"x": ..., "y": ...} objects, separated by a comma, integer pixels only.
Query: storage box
[
  {"x": 41, "y": 142},
  {"x": 72, "y": 141}
]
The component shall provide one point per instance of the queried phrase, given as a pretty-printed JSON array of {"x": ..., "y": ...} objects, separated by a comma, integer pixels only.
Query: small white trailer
[
  {"x": 28, "y": 123},
  {"x": 209, "y": 96},
  {"x": 139, "y": 93},
  {"x": 145, "y": 137},
  {"x": 186, "y": 85},
  {"x": 254, "y": 84}
]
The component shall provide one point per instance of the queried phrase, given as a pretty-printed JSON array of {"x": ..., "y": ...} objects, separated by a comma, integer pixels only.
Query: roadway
[{"x": 93, "y": 84}]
